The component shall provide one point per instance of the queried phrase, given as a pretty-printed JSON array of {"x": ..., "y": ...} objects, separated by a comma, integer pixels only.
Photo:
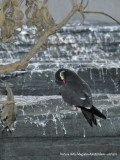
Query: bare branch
[
  {"x": 83, "y": 19},
  {"x": 6, "y": 102},
  {"x": 13, "y": 67},
  {"x": 74, "y": 3},
  {"x": 81, "y": 10},
  {"x": 45, "y": 2},
  {"x": 105, "y": 14},
  {"x": 86, "y": 4},
  {"x": 22, "y": 64}
]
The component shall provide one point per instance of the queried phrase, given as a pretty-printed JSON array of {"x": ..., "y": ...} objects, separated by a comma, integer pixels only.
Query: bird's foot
[{"x": 75, "y": 109}]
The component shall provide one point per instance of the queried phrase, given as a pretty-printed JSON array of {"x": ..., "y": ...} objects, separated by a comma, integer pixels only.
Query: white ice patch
[
  {"x": 82, "y": 98},
  {"x": 99, "y": 124},
  {"x": 84, "y": 133}
]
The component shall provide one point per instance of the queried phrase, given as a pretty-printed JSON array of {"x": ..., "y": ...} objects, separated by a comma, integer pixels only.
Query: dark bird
[{"x": 75, "y": 91}]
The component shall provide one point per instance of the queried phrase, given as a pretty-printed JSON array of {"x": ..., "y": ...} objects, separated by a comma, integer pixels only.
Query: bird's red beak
[{"x": 63, "y": 81}]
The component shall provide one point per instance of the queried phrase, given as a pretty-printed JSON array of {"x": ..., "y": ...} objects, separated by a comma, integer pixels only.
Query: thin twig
[
  {"x": 83, "y": 19},
  {"x": 105, "y": 14},
  {"x": 20, "y": 3},
  {"x": 74, "y": 3}
]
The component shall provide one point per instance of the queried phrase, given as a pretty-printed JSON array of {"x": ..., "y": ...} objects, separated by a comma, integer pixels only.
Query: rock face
[{"x": 45, "y": 128}]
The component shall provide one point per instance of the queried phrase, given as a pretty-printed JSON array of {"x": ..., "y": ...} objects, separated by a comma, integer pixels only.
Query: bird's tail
[{"x": 91, "y": 113}]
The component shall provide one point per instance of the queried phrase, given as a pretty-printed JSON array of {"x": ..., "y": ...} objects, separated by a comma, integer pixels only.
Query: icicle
[
  {"x": 75, "y": 114},
  {"x": 107, "y": 36},
  {"x": 64, "y": 128},
  {"x": 43, "y": 131},
  {"x": 90, "y": 38},
  {"x": 15, "y": 123},
  {"x": 57, "y": 108},
  {"x": 54, "y": 120},
  {"x": 116, "y": 87},
  {"x": 100, "y": 74},
  {"x": 106, "y": 112},
  {"x": 91, "y": 77},
  {"x": 60, "y": 117},
  {"x": 84, "y": 133},
  {"x": 23, "y": 112},
  {"x": 106, "y": 71},
  {"x": 111, "y": 121},
  {"x": 103, "y": 74},
  {"x": 116, "y": 71},
  {"x": 99, "y": 124}
]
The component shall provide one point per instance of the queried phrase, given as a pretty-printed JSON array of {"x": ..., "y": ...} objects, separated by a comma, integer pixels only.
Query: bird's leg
[{"x": 75, "y": 109}]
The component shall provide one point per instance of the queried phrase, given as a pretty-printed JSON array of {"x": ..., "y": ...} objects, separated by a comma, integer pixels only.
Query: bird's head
[{"x": 60, "y": 76}]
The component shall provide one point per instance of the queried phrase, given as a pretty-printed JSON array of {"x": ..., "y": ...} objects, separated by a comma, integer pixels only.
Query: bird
[{"x": 76, "y": 92}]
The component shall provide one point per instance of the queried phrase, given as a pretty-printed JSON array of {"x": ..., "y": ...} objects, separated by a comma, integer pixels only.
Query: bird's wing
[
  {"x": 70, "y": 96},
  {"x": 82, "y": 90}
]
